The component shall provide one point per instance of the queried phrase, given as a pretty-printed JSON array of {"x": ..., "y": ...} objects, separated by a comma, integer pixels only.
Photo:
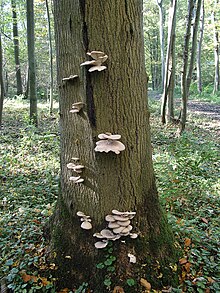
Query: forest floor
[{"x": 187, "y": 172}]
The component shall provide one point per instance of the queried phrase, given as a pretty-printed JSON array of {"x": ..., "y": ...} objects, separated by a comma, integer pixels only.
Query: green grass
[{"x": 187, "y": 171}]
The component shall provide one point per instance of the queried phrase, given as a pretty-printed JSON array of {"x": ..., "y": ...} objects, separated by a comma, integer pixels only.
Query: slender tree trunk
[
  {"x": 170, "y": 66},
  {"x": 216, "y": 52},
  {"x": 16, "y": 48},
  {"x": 199, "y": 49},
  {"x": 27, "y": 83},
  {"x": 51, "y": 57},
  {"x": 115, "y": 101},
  {"x": 162, "y": 50},
  {"x": 1, "y": 82},
  {"x": 193, "y": 47},
  {"x": 184, "y": 91},
  {"x": 31, "y": 61}
]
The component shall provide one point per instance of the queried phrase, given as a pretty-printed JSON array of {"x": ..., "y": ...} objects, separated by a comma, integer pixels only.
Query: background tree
[
  {"x": 31, "y": 61},
  {"x": 199, "y": 48},
  {"x": 169, "y": 81},
  {"x": 1, "y": 81},
  {"x": 16, "y": 48},
  {"x": 115, "y": 101},
  {"x": 216, "y": 47},
  {"x": 162, "y": 46}
]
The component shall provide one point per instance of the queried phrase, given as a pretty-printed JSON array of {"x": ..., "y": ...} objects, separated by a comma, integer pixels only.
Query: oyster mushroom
[
  {"x": 109, "y": 143},
  {"x": 101, "y": 244},
  {"x": 96, "y": 64},
  {"x": 86, "y": 225},
  {"x": 71, "y": 77},
  {"x": 76, "y": 107}
]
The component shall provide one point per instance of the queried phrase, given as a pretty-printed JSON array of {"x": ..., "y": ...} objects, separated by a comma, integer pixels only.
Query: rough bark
[
  {"x": 1, "y": 82},
  {"x": 216, "y": 52},
  {"x": 31, "y": 61},
  {"x": 184, "y": 91},
  {"x": 115, "y": 102},
  {"x": 16, "y": 48},
  {"x": 50, "y": 57},
  {"x": 169, "y": 80},
  {"x": 162, "y": 50},
  {"x": 199, "y": 49}
]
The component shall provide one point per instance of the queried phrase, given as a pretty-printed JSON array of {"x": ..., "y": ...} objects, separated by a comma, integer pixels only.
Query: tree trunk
[
  {"x": 216, "y": 52},
  {"x": 16, "y": 48},
  {"x": 193, "y": 47},
  {"x": 184, "y": 91},
  {"x": 1, "y": 82},
  {"x": 51, "y": 57},
  {"x": 115, "y": 102},
  {"x": 31, "y": 61},
  {"x": 199, "y": 49},
  {"x": 162, "y": 50},
  {"x": 169, "y": 80}
]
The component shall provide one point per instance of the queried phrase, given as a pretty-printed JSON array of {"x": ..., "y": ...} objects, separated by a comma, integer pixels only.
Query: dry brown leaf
[
  {"x": 205, "y": 220},
  {"x": 183, "y": 260},
  {"x": 145, "y": 284},
  {"x": 187, "y": 242}
]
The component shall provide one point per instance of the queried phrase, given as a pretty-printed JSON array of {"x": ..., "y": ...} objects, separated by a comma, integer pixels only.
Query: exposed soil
[{"x": 204, "y": 108}]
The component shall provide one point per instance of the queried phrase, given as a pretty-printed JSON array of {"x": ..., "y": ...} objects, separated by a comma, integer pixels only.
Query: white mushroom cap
[
  {"x": 86, "y": 225},
  {"x": 123, "y": 223},
  {"x": 107, "y": 234},
  {"x": 109, "y": 218},
  {"x": 121, "y": 218},
  {"x": 80, "y": 214},
  {"x": 73, "y": 178},
  {"x": 108, "y": 135},
  {"x": 76, "y": 107},
  {"x": 116, "y": 212},
  {"x": 75, "y": 159},
  {"x": 80, "y": 180},
  {"x": 70, "y": 165},
  {"x": 98, "y": 235},
  {"x": 78, "y": 168},
  {"x": 96, "y": 54},
  {"x": 133, "y": 235},
  {"x": 101, "y": 244},
  {"x": 97, "y": 67},
  {"x": 113, "y": 225},
  {"x": 71, "y": 77},
  {"x": 132, "y": 258},
  {"x": 126, "y": 229},
  {"x": 118, "y": 230},
  {"x": 109, "y": 145},
  {"x": 92, "y": 62}
]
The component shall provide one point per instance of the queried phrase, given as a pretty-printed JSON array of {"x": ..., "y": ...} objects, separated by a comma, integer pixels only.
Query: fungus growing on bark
[
  {"x": 132, "y": 258},
  {"x": 109, "y": 143},
  {"x": 74, "y": 167},
  {"x": 96, "y": 64},
  {"x": 86, "y": 221},
  {"x": 70, "y": 78},
  {"x": 118, "y": 226},
  {"x": 77, "y": 179},
  {"x": 101, "y": 244},
  {"x": 76, "y": 107}
]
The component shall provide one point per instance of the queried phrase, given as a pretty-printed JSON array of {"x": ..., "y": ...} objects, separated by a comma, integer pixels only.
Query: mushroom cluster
[
  {"x": 76, "y": 168},
  {"x": 76, "y": 107},
  {"x": 96, "y": 64},
  {"x": 86, "y": 221},
  {"x": 109, "y": 142},
  {"x": 119, "y": 225}
]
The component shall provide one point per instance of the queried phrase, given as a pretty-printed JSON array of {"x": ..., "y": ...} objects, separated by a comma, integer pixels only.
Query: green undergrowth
[{"x": 187, "y": 172}]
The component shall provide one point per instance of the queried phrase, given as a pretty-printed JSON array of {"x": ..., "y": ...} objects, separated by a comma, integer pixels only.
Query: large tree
[{"x": 115, "y": 101}]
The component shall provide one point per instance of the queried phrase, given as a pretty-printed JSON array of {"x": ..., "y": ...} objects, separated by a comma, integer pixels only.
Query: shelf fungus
[
  {"x": 119, "y": 225},
  {"x": 86, "y": 221},
  {"x": 75, "y": 168},
  {"x": 109, "y": 143},
  {"x": 77, "y": 107},
  {"x": 98, "y": 59},
  {"x": 77, "y": 179},
  {"x": 70, "y": 78}
]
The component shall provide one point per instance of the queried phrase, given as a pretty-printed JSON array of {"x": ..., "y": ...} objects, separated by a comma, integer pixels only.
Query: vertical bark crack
[{"x": 89, "y": 87}]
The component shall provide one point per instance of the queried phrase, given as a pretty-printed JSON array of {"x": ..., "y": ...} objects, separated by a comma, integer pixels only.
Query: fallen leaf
[
  {"x": 183, "y": 260},
  {"x": 65, "y": 290},
  {"x": 187, "y": 242},
  {"x": 145, "y": 284},
  {"x": 205, "y": 220}
]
